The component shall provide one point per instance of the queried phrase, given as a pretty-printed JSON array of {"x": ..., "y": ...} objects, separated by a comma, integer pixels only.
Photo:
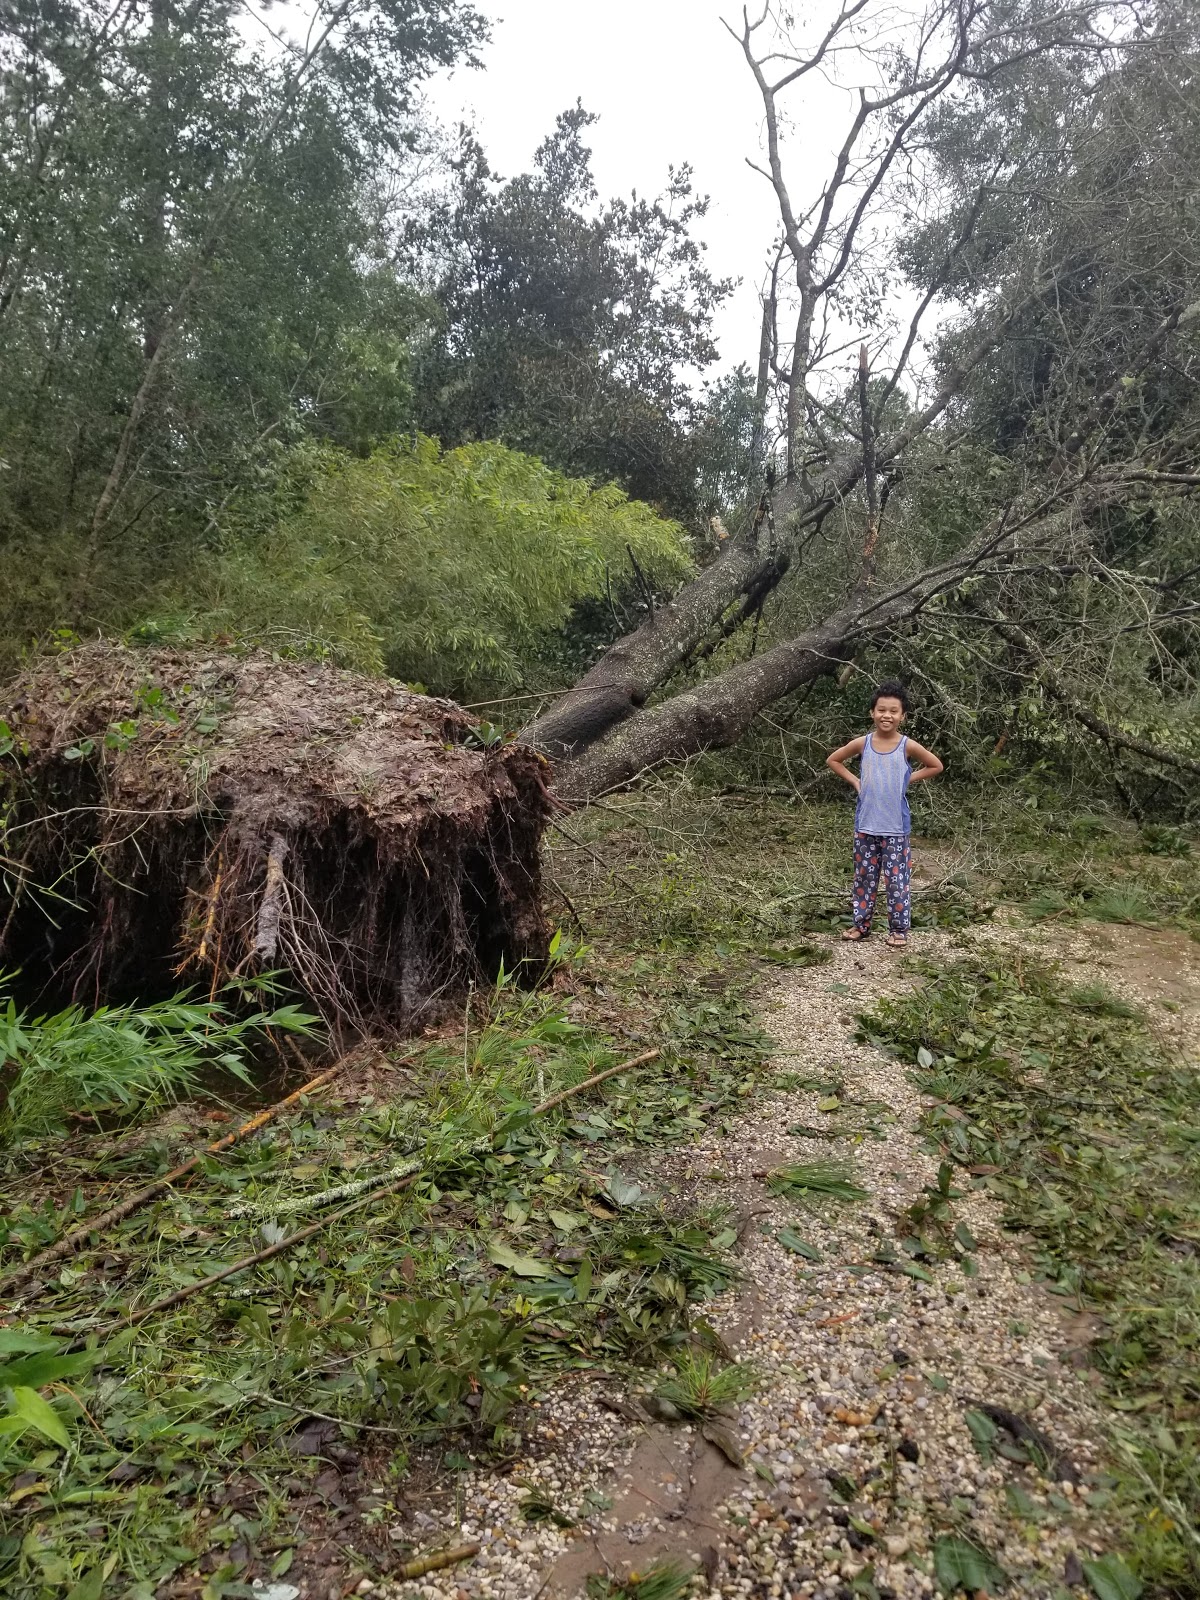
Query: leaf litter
[
  {"x": 444, "y": 1311},
  {"x": 202, "y": 1412}
]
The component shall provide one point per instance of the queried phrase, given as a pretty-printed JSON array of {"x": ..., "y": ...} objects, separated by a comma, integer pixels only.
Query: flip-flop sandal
[
  {"x": 856, "y": 935},
  {"x": 897, "y": 941}
]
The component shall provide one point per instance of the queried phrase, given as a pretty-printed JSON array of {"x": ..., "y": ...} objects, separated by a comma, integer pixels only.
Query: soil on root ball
[{"x": 183, "y": 817}]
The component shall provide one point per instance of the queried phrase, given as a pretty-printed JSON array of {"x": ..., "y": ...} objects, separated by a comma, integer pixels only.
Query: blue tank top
[{"x": 882, "y": 805}]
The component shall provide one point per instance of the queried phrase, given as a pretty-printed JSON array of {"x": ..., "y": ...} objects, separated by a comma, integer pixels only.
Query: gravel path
[{"x": 859, "y": 1457}]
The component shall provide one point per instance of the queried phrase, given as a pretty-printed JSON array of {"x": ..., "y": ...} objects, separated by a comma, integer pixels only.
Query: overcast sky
[{"x": 669, "y": 85}]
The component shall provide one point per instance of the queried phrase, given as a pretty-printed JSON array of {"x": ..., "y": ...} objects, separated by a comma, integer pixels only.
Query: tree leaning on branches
[{"x": 987, "y": 157}]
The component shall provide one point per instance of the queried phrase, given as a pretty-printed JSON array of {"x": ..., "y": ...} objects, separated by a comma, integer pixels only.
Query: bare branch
[{"x": 871, "y": 543}]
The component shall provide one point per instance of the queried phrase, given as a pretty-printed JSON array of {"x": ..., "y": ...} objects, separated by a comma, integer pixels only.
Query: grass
[
  {"x": 831, "y": 1180},
  {"x": 700, "y": 1387},
  {"x": 1036, "y": 845},
  {"x": 1123, "y": 903},
  {"x": 665, "y": 1580},
  {"x": 1094, "y": 1128}
]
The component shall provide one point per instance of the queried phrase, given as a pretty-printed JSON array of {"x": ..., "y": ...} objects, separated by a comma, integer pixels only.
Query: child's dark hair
[{"x": 891, "y": 689}]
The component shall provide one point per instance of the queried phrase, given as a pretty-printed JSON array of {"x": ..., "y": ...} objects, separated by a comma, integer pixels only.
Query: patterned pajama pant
[{"x": 874, "y": 852}]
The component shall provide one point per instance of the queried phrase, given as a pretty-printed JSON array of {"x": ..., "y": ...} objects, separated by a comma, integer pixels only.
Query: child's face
[{"x": 887, "y": 714}]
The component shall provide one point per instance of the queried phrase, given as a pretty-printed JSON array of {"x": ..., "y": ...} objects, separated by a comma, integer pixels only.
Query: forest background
[{"x": 286, "y": 363}]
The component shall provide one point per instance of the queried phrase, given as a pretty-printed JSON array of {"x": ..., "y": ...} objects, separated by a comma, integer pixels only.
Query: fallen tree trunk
[
  {"x": 717, "y": 711},
  {"x": 710, "y": 716},
  {"x": 622, "y": 680},
  {"x": 750, "y": 566}
]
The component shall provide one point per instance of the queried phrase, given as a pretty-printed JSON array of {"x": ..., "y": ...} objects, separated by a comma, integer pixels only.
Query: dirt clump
[{"x": 175, "y": 816}]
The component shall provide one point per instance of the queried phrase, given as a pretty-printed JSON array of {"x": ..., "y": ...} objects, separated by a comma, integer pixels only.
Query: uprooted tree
[
  {"x": 189, "y": 817},
  {"x": 1028, "y": 173}
]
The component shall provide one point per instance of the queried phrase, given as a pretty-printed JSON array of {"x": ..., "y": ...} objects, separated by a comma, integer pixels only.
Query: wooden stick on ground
[
  {"x": 171, "y": 1300},
  {"x": 590, "y": 1083},
  {"x": 435, "y": 1563},
  {"x": 71, "y": 1242}
]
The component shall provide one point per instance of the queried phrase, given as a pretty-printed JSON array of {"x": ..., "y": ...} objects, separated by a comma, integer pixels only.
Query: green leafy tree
[
  {"x": 190, "y": 275},
  {"x": 567, "y": 328},
  {"x": 454, "y": 569}
]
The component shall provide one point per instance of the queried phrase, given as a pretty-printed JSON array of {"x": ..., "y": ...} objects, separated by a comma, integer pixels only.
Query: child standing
[{"x": 881, "y": 822}]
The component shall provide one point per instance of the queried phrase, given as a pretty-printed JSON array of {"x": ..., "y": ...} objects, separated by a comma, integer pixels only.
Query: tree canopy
[
  {"x": 189, "y": 270},
  {"x": 282, "y": 362},
  {"x": 569, "y": 328}
]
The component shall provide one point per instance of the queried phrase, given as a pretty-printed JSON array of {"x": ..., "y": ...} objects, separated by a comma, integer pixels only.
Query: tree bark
[
  {"x": 712, "y": 715},
  {"x": 621, "y": 681}
]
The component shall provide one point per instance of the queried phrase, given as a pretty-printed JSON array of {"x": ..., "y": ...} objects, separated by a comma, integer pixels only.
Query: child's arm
[
  {"x": 930, "y": 765},
  {"x": 836, "y": 761}
]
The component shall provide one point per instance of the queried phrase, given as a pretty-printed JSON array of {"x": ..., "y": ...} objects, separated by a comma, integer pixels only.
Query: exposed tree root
[{"x": 191, "y": 812}]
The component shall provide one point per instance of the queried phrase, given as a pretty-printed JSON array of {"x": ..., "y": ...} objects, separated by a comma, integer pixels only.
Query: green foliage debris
[
  {"x": 122, "y": 1060},
  {"x": 1087, "y": 1128}
]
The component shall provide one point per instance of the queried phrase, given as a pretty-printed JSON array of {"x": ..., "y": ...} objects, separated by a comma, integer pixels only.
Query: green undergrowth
[
  {"x": 675, "y": 881},
  {"x": 679, "y": 866},
  {"x": 412, "y": 1337},
  {"x": 663, "y": 1580},
  {"x": 1062, "y": 857},
  {"x": 1069, "y": 1108},
  {"x": 427, "y": 1320},
  {"x": 678, "y": 875},
  {"x": 126, "y": 1061}
]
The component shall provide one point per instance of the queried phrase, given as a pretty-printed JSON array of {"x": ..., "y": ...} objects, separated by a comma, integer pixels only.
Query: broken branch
[
  {"x": 169, "y": 1301},
  {"x": 871, "y": 543},
  {"x": 647, "y": 592},
  {"x": 590, "y": 1083},
  {"x": 1058, "y": 690},
  {"x": 436, "y": 1563},
  {"x": 71, "y": 1242}
]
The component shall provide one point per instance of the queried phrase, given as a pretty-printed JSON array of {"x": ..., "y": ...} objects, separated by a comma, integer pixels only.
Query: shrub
[
  {"x": 120, "y": 1058},
  {"x": 449, "y": 569}
]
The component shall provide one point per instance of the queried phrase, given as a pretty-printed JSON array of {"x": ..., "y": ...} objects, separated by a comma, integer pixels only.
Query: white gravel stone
[{"x": 835, "y": 1396}]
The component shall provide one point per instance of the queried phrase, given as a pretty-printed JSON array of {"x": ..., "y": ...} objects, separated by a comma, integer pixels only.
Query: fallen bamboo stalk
[
  {"x": 590, "y": 1083},
  {"x": 436, "y": 1563},
  {"x": 71, "y": 1242},
  {"x": 171, "y": 1300},
  {"x": 168, "y": 1302}
]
